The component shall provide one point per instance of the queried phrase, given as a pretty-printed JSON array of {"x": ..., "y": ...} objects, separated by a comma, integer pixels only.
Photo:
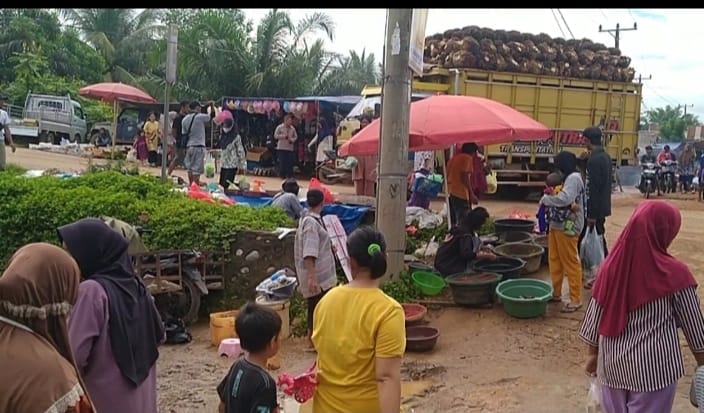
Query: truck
[
  {"x": 565, "y": 105},
  {"x": 48, "y": 118}
]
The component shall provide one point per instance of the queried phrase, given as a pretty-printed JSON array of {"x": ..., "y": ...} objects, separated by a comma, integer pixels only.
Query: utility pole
[
  {"x": 685, "y": 106},
  {"x": 171, "y": 52},
  {"x": 616, "y": 33},
  {"x": 641, "y": 78},
  {"x": 393, "y": 142}
]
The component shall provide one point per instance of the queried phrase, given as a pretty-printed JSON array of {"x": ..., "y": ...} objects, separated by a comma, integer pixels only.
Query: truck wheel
[
  {"x": 50, "y": 137},
  {"x": 76, "y": 138}
]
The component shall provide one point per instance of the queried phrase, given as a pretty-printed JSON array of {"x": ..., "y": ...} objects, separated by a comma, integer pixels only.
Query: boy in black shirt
[{"x": 248, "y": 388}]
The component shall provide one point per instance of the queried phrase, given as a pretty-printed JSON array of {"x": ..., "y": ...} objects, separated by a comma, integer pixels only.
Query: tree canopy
[
  {"x": 219, "y": 53},
  {"x": 671, "y": 121}
]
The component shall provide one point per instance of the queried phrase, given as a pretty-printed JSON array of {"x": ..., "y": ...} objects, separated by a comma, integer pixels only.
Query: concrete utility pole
[
  {"x": 685, "y": 106},
  {"x": 616, "y": 33},
  {"x": 170, "y": 78},
  {"x": 393, "y": 143}
]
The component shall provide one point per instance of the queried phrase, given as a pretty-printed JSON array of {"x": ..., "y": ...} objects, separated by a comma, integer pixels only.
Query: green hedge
[{"x": 32, "y": 209}]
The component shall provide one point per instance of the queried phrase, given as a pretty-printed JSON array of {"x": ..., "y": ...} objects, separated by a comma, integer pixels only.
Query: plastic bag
[
  {"x": 209, "y": 166},
  {"x": 491, "y": 183},
  {"x": 594, "y": 397},
  {"x": 591, "y": 251},
  {"x": 327, "y": 195},
  {"x": 695, "y": 181}
]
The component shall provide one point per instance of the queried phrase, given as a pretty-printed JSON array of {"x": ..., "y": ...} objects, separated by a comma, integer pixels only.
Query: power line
[
  {"x": 631, "y": 14},
  {"x": 558, "y": 22},
  {"x": 565, "y": 21},
  {"x": 668, "y": 100}
]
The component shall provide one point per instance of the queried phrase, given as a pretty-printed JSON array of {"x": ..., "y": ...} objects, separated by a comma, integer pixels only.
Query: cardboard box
[{"x": 258, "y": 154}]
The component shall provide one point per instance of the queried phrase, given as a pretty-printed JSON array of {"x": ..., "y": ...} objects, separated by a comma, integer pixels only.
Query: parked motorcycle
[
  {"x": 648, "y": 179},
  {"x": 331, "y": 173},
  {"x": 174, "y": 279},
  {"x": 668, "y": 176}
]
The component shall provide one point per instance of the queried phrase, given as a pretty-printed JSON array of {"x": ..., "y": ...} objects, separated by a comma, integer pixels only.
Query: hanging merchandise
[
  {"x": 267, "y": 106},
  {"x": 275, "y": 105},
  {"x": 237, "y": 105},
  {"x": 231, "y": 104},
  {"x": 257, "y": 105},
  {"x": 286, "y": 107}
]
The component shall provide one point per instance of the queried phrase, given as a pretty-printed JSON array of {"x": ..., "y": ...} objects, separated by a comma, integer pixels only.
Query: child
[
  {"x": 553, "y": 184},
  {"x": 140, "y": 145},
  {"x": 247, "y": 386}
]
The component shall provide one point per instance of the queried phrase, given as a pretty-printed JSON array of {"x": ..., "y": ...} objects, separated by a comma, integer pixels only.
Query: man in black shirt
[
  {"x": 177, "y": 134},
  {"x": 649, "y": 157},
  {"x": 248, "y": 388},
  {"x": 598, "y": 185}
]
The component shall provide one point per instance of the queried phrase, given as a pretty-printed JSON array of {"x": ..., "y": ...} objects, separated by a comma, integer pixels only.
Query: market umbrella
[
  {"x": 114, "y": 92},
  {"x": 438, "y": 122},
  {"x": 111, "y": 92}
]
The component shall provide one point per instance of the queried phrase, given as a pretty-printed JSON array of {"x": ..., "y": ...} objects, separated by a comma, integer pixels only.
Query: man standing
[
  {"x": 459, "y": 184},
  {"x": 177, "y": 134},
  {"x": 286, "y": 136},
  {"x": 315, "y": 263},
  {"x": 5, "y": 134},
  {"x": 193, "y": 130},
  {"x": 598, "y": 185}
]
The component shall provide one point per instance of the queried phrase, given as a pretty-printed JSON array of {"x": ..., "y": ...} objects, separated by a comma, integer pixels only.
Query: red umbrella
[
  {"x": 438, "y": 122},
  {"x": 110, "y": 92}
]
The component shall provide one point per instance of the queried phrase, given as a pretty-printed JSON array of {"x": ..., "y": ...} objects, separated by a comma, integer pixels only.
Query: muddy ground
[{"x": 484, "y": 361}]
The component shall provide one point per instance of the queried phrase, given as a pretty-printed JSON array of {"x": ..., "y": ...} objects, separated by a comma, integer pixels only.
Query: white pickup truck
[{"x": 48, "y": 118}]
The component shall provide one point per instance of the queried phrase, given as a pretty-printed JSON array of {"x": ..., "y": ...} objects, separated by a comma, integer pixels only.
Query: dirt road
[{"x": 484, "y": 362}]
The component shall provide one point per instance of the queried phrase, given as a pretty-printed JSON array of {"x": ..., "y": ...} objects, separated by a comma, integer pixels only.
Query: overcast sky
[{"x": 666, "y": 44}]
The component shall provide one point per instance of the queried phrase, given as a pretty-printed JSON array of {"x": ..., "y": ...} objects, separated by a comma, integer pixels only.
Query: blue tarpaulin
[{"x": 350, "y": 215}]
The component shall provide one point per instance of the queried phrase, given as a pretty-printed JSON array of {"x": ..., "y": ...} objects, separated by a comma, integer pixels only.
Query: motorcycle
[
  {"x": 174, "y": 279},
  {"x": 648, "y": 179},
  {"x": 330, "y": 173},
  {"x": 668, "y": 176}
]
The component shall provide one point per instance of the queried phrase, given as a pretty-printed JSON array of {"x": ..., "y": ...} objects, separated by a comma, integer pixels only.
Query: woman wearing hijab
[
  {"x": 38, "y": 373},
  {"x": 563, "y": 247},
  {"x": 115, "y": 329},
  {"x": 234, "y": 158},
  {"x": 640, "y": 298}
]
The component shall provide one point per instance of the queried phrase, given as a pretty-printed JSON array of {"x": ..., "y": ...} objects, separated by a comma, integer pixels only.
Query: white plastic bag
[
  {"x": 695, "y": 181},
  {"x": 591, "y": 251},
  {"x": 594, "y": 397}
]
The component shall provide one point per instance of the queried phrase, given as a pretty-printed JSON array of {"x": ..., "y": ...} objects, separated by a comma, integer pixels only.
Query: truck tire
[
  {"x": 184, "y": 304},
  {"x": 51, "y": 137},
  {"x": 76, "y": 138}
]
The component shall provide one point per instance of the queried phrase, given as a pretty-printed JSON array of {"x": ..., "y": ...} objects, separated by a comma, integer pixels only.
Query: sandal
[{"x": 570, "y": 308}]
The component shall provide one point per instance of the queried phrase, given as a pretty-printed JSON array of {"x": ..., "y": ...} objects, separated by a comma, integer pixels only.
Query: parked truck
[
  {"x": 47, "y": 118},
  {"x": 566, "y": 105}
]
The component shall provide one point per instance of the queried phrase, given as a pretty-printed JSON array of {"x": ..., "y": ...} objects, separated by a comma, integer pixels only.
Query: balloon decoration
[{"x": 276, "y": 105}]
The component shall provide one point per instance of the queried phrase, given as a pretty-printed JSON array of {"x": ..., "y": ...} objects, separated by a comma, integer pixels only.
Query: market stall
[
  {"x": 443, "y": 121},
  {"x": 257, "y": 119}
]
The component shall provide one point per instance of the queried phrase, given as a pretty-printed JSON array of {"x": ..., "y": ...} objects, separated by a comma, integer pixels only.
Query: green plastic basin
[
  {"x": 428, "y": 283},
  {"x": 525, "y": 297}
]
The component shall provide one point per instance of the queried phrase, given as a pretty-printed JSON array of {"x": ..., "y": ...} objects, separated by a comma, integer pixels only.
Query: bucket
[
  {"x": 222, "y": 326},
  {"x": 282, "y": 308}
]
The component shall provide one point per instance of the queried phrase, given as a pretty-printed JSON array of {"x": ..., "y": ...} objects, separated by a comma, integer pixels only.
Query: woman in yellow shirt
[
  {"x": 360, "y": 336},
  {"x": 153, "y": 133}
]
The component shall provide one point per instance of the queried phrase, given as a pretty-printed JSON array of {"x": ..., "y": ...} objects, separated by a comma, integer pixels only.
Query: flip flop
[{"x": 570, "y": 308}]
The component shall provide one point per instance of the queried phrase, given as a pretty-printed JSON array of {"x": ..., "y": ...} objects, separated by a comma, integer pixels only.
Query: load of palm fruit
[{"x": 473, "y": 47}]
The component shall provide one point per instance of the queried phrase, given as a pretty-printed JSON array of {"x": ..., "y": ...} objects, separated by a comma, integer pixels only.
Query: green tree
[
  {"x": 672, "y": 122},
  {"x": 350, "y": 75},
  {"x": 122, "y": 36}
]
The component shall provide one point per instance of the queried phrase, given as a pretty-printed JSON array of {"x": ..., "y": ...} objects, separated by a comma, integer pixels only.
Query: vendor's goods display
[{"x": 473, "y": 47}]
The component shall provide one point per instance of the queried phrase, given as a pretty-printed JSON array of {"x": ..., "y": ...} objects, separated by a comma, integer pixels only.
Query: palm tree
[
  {"x": 350, "y": 75},
  {"x": 122, "y": 36},
  {"x": 284, "y": 64}
]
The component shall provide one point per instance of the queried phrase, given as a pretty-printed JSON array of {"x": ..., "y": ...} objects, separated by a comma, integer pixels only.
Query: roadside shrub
[{"x": 32, "y": 209}]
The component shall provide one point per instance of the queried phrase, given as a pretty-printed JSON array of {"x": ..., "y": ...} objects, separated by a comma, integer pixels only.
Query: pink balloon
[{"x": 276, "y": 105}]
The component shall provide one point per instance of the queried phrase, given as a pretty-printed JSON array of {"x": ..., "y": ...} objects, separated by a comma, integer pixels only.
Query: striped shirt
[
  {"x": 646, "y": 356},
  {"x": 313, "y": 241}
]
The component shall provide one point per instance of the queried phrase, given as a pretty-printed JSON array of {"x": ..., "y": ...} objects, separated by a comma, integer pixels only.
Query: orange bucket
[{"x": 222, "y": 326}]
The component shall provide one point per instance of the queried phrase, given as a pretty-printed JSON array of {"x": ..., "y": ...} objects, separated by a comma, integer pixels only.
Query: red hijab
[{"x": 639, "y": 269}]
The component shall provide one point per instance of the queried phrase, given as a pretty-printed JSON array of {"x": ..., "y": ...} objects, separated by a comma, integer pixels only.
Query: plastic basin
[
  {"x": 472, "y": 289},
  {"x": 542, "y": 240},
  {"x": 414, "y": 313},
  {"x": 514, "y": 224},
  {"x": 428, "y": 283},
  {"x": 421, "y": 338},
  {"x": 515, "y": 236},
  {"x": 419, "y": 266},
  {"x": 530, "y": 253},
  {"x": 508, "y": 267},
  {"x": 524, "y": 298}
]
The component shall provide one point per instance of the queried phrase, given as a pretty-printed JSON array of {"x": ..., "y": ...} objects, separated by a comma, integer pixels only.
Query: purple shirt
[{"x": 109, "y": 390}]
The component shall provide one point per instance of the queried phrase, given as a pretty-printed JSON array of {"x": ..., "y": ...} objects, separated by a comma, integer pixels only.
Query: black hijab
[
  {"x": 227, "y": 137},
  {"x": 566, "y": 163},
  {"x": 135, "y": 327}
]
